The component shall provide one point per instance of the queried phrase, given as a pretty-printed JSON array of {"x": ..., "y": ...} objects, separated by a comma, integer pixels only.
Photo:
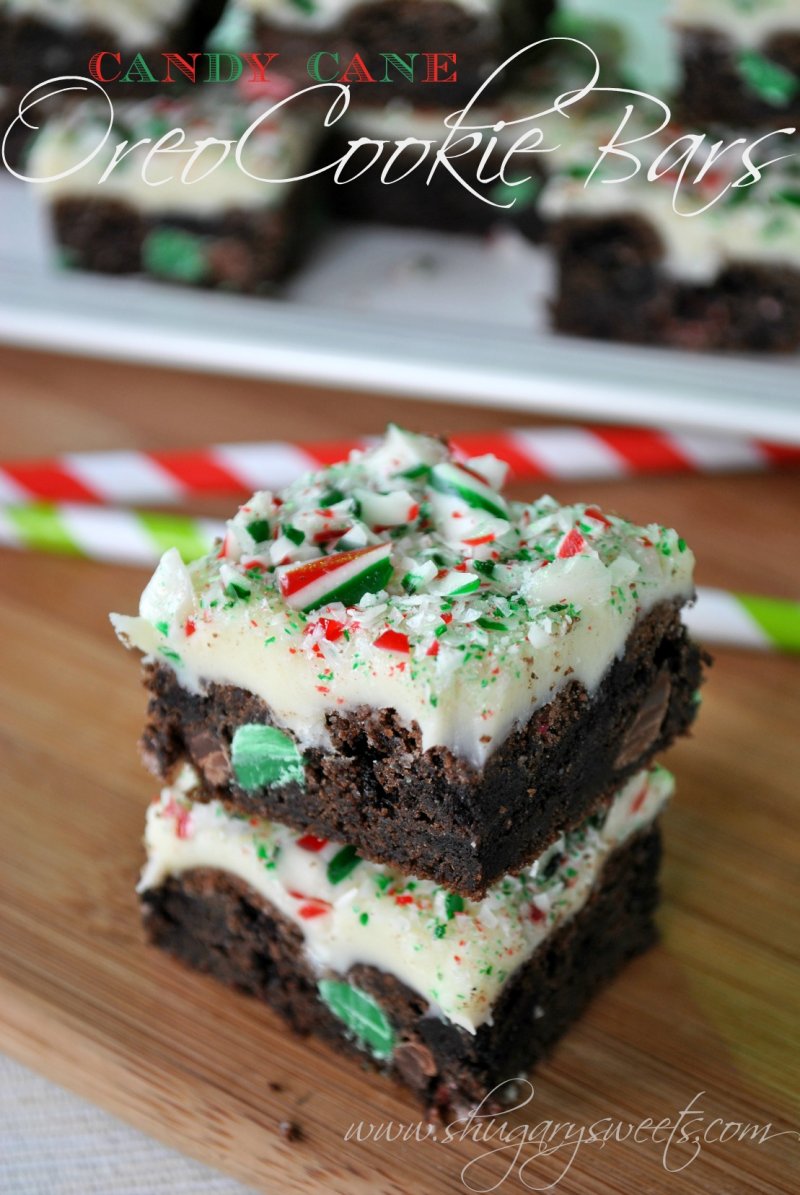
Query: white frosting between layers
[
  {"x": 326, "y": 14},
  {"x": 747, "y": 22},
  {"x": 136, "y": 22},
  {"x": 457, "y": 954},
  {"x": 475, "y": 666},
  {"x": 755, "y": 224},
  {"x": 279, "y": 148}
]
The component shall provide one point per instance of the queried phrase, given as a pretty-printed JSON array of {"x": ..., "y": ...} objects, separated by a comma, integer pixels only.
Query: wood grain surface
[{"x": 711, "y": 1010}]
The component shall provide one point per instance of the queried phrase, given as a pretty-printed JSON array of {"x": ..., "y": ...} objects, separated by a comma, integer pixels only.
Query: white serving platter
[{"x": 421, "y": 314}]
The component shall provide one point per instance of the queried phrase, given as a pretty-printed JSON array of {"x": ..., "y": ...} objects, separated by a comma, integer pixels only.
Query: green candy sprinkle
[
  {"x": 342, "y": 863},
  {"x": 294, "y": 534},
  {"x": 489, "y": 624},
  {"x": 259, "y": 530},
  {"x": 520, "y": 195},
  {"x": 453, "y": 903},
  {"x": 772, "y": 83},
  {"x": 416, "y": 472},
  {"x": 364, "y": 919},
  {"x": 361, "y": 1014},
  {"x": 263, "y": 755},
  {"x": 237, "y": 591},
  {"x": 331, "y": 498}
]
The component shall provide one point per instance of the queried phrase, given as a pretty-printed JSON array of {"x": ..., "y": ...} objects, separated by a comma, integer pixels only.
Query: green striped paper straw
[
  {"x": 105, "y": 533},
  {"x": 745, "y": 620},
  {"x": 139, "y": 537}
]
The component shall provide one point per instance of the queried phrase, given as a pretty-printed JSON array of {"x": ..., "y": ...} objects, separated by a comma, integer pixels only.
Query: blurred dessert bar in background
[
  {"x": 704, "y": 265},
  {"x": 418, "y": 36},
  {"x": 211, "y": 222},
  {"x": 740, "y": 61},
  {"x": 41, "y": 39}
]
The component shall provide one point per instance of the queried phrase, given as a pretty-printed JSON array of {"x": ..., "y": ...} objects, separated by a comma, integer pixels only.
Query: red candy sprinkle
[
  {"x": 318, "y": 909},
  {"x": 332, "y": 628},
  {"x": 594, "y": 513},
  {"x": 433, "y": 650},
  {"x": 313, "y": 906},
  {"x": 571, "y": 545},
  {"x": 404, "y": 900},
  {"x": 309, "y": 842},
  {"x": 478, "y": 540},
  {"x": 536, "y": 914},
  {"x": 189, "y": 627},
  {"x": 393, "y": 641},
  {"x": 639, "y": 799}
]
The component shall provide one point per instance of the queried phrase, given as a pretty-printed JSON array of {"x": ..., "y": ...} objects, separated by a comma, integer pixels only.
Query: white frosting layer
[
  {"x": 482, "y": 620},
  {"x": 757, "y": 224},
  {"x": 326, "y": 14},
  {"x": 213, "y": 182},
  {"x": 747, "y": 22},
  {"x": 136, "y": 22},
  {"x": 456, "y": 953}
]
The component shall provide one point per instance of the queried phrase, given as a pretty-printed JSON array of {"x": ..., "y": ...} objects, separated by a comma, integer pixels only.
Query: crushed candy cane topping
[{"x": 401, "y": 578}]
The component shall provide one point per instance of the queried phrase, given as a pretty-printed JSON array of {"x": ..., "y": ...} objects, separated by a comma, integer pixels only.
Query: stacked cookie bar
[{"x": 407, "y": 730}]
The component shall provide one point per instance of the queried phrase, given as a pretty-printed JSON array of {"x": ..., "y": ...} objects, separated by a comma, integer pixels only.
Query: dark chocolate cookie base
[
  {"x": 444, "y": 204},
  {"x": 427, "y": 812},
  {"x": 246, "y": 251},
  {"x": 218, "y": 925},
  {"x": 407, "y": 26},
  {"x": 715, "y": 90},
  {"x": 612, "y": 286},
  {"x": 32, "y": 50}
]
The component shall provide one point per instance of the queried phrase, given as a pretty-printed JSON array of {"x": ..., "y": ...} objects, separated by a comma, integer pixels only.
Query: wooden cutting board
[{"x": 711, "y": 1013}]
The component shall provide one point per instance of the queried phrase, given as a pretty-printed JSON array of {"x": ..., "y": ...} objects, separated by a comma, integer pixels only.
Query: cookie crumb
[{"x": 290, "y": 1131}]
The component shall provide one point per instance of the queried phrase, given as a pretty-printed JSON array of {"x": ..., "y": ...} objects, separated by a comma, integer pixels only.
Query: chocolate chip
[
  {"x": 210, "y": 758},
  {"x": 646, "y": 726},
  {"x": 290, "y": 1131},
  {"x": 415, "y": 1063}
]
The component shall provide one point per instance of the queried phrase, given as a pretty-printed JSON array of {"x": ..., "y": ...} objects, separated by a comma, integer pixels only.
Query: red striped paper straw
[{"x": 533, "y": 454}]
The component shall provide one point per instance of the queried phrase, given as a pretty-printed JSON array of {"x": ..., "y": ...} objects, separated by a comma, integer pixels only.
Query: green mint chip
[
  {"x": 772, "y": 83},
  {"x": 364, "y": 1018},
  {"x": 174, "y": 253},
  {"x": 264, "y": 755},
  {"x": 342, "y": 863}
]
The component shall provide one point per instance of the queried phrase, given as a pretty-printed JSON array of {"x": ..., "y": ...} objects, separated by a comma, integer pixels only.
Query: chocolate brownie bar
[
  {"x": 232, "y": 230},
  {"x": 430, "y": 988},
  {"x": 392, "y": 654},
  {"x": 706, "y": 264},
  {"x": 741, "y": 62},
  {"x": 481, "y": 33},
  {"x": 43, "y": 39}
]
